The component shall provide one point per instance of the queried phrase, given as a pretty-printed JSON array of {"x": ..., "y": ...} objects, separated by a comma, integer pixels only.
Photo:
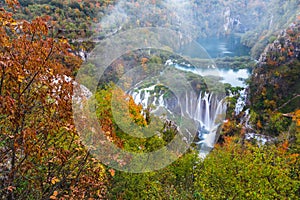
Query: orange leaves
[
  {"x": 11, "y": 188},
  {"x": 228, "y": 140},
  {"x": 33, "y": 109},
  {"x": 259, "y": 124},
  {"x": 227, "y": 127},
  {"x": 38, "y": 26},
  {"x": 293, "y": 158},
  {"x": 271, "y": 62},
  {"x": 144, "y": 60},
  {"x": 290, "y": 53},
  {"x": 143, "y": 63},
  {"x": 283, "y": 147},
  {"x": 7, "y": 104},
  {"x": 135, "y": 112},
  {"x": 54, "y": 195},
  {"x": 296, "y": 118},
  {"x": 112, "y": 172}
]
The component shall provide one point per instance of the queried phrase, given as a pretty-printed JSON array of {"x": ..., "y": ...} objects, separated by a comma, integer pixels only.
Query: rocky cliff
[{"x": 275, "y": 85}]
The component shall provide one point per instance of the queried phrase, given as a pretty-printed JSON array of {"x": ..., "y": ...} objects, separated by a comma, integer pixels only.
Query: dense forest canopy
[{"x": 42, "y": 153}]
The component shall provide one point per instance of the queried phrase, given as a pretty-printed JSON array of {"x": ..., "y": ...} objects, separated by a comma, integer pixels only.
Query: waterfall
[
  {"x": 208, "y": 109},
  {"x": 241, "y": 101}
]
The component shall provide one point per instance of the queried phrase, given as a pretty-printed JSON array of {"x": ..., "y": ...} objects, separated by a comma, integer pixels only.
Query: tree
[
  {"x": 235, "y": 171},
  {"x": 41, "y": 156},
  {"x": 173, "y": 182}
]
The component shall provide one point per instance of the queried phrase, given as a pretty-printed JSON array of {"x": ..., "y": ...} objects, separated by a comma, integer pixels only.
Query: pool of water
[
  {"x": 233, "y": 77},
  {"x": 224, "y": 46}
]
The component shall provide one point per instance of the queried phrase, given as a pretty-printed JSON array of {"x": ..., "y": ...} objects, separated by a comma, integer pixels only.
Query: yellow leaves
[
  {"x": 29, "y": 53},
  {"x": 77, "y": 11},
  {"x": 20, "y": 78},
  {"x": 14, "y": 23},
  {"x": 228, "y": 127},
  {"x": 54, "y": 180},
  {"x": 64, "y": 41},
  {"x": 9, "y": 23},
  {"x": 51, "y": 72}
]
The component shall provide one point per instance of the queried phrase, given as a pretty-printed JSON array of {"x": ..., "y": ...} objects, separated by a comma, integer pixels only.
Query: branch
[
  {"x": 2, "y": 79},
  {"x": 30, "y": 82},
  {"x": 283, "y": 105}
]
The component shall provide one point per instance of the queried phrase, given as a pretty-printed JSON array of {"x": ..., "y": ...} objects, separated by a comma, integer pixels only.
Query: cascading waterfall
[
  {"x": 208, "y": 109},
  {"x": 241, "y": 101}
]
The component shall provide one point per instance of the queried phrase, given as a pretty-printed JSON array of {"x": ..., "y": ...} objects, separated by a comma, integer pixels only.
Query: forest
[{"x": 48, "y": 150}]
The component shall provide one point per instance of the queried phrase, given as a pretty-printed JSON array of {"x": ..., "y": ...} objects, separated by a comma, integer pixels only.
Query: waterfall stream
[{"x": 208, "y": 109}]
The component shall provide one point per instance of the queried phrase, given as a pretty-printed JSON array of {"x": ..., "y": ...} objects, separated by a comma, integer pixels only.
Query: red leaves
[{"x": 33, "y": 110}]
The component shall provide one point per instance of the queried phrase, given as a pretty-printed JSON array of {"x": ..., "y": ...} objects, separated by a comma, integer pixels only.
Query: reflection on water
[
  {"x": 217, "y": 47},
  {"x": 226, "y": 46}
]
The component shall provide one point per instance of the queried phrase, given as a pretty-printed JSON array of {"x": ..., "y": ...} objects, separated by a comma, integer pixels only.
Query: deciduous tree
[{"x": 41, "y": 156}]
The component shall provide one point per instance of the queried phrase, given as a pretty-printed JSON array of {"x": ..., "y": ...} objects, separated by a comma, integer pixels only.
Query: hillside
[
  {"x": 254, "y": 21},
  {"x": 275, "y": 81}
]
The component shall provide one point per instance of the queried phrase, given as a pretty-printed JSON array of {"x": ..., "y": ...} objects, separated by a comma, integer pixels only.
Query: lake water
[
  {"x": 224, "y": 46},
  {"x": 215, "y": 47},
  {"x": 233, "y": 77}
]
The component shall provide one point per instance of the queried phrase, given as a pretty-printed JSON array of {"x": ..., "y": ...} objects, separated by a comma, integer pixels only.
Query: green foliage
[
  {"x": 278, "y": 124},
  {"x": 172, "y": 182},
  {"x": 43, "y": 158},
  {"x": 272, "y": 39},
  {"x": 274, "y": 87},
  {"x": 248, "y": 172}
]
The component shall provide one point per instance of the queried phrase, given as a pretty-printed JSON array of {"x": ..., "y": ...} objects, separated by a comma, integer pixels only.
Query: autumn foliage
[{"x": 40, "y": 152}]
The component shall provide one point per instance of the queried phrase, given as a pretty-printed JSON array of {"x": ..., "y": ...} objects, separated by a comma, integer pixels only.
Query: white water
[
  {"x": 207, "y": 109},
  {"x": 241, "y": 102}
]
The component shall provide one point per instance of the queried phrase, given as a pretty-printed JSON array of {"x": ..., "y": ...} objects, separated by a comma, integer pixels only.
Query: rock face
[
  {"x": 275, "y": 85},
  {"x": 233, "y": 23},
  {"x": 284, "y": 48}
]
